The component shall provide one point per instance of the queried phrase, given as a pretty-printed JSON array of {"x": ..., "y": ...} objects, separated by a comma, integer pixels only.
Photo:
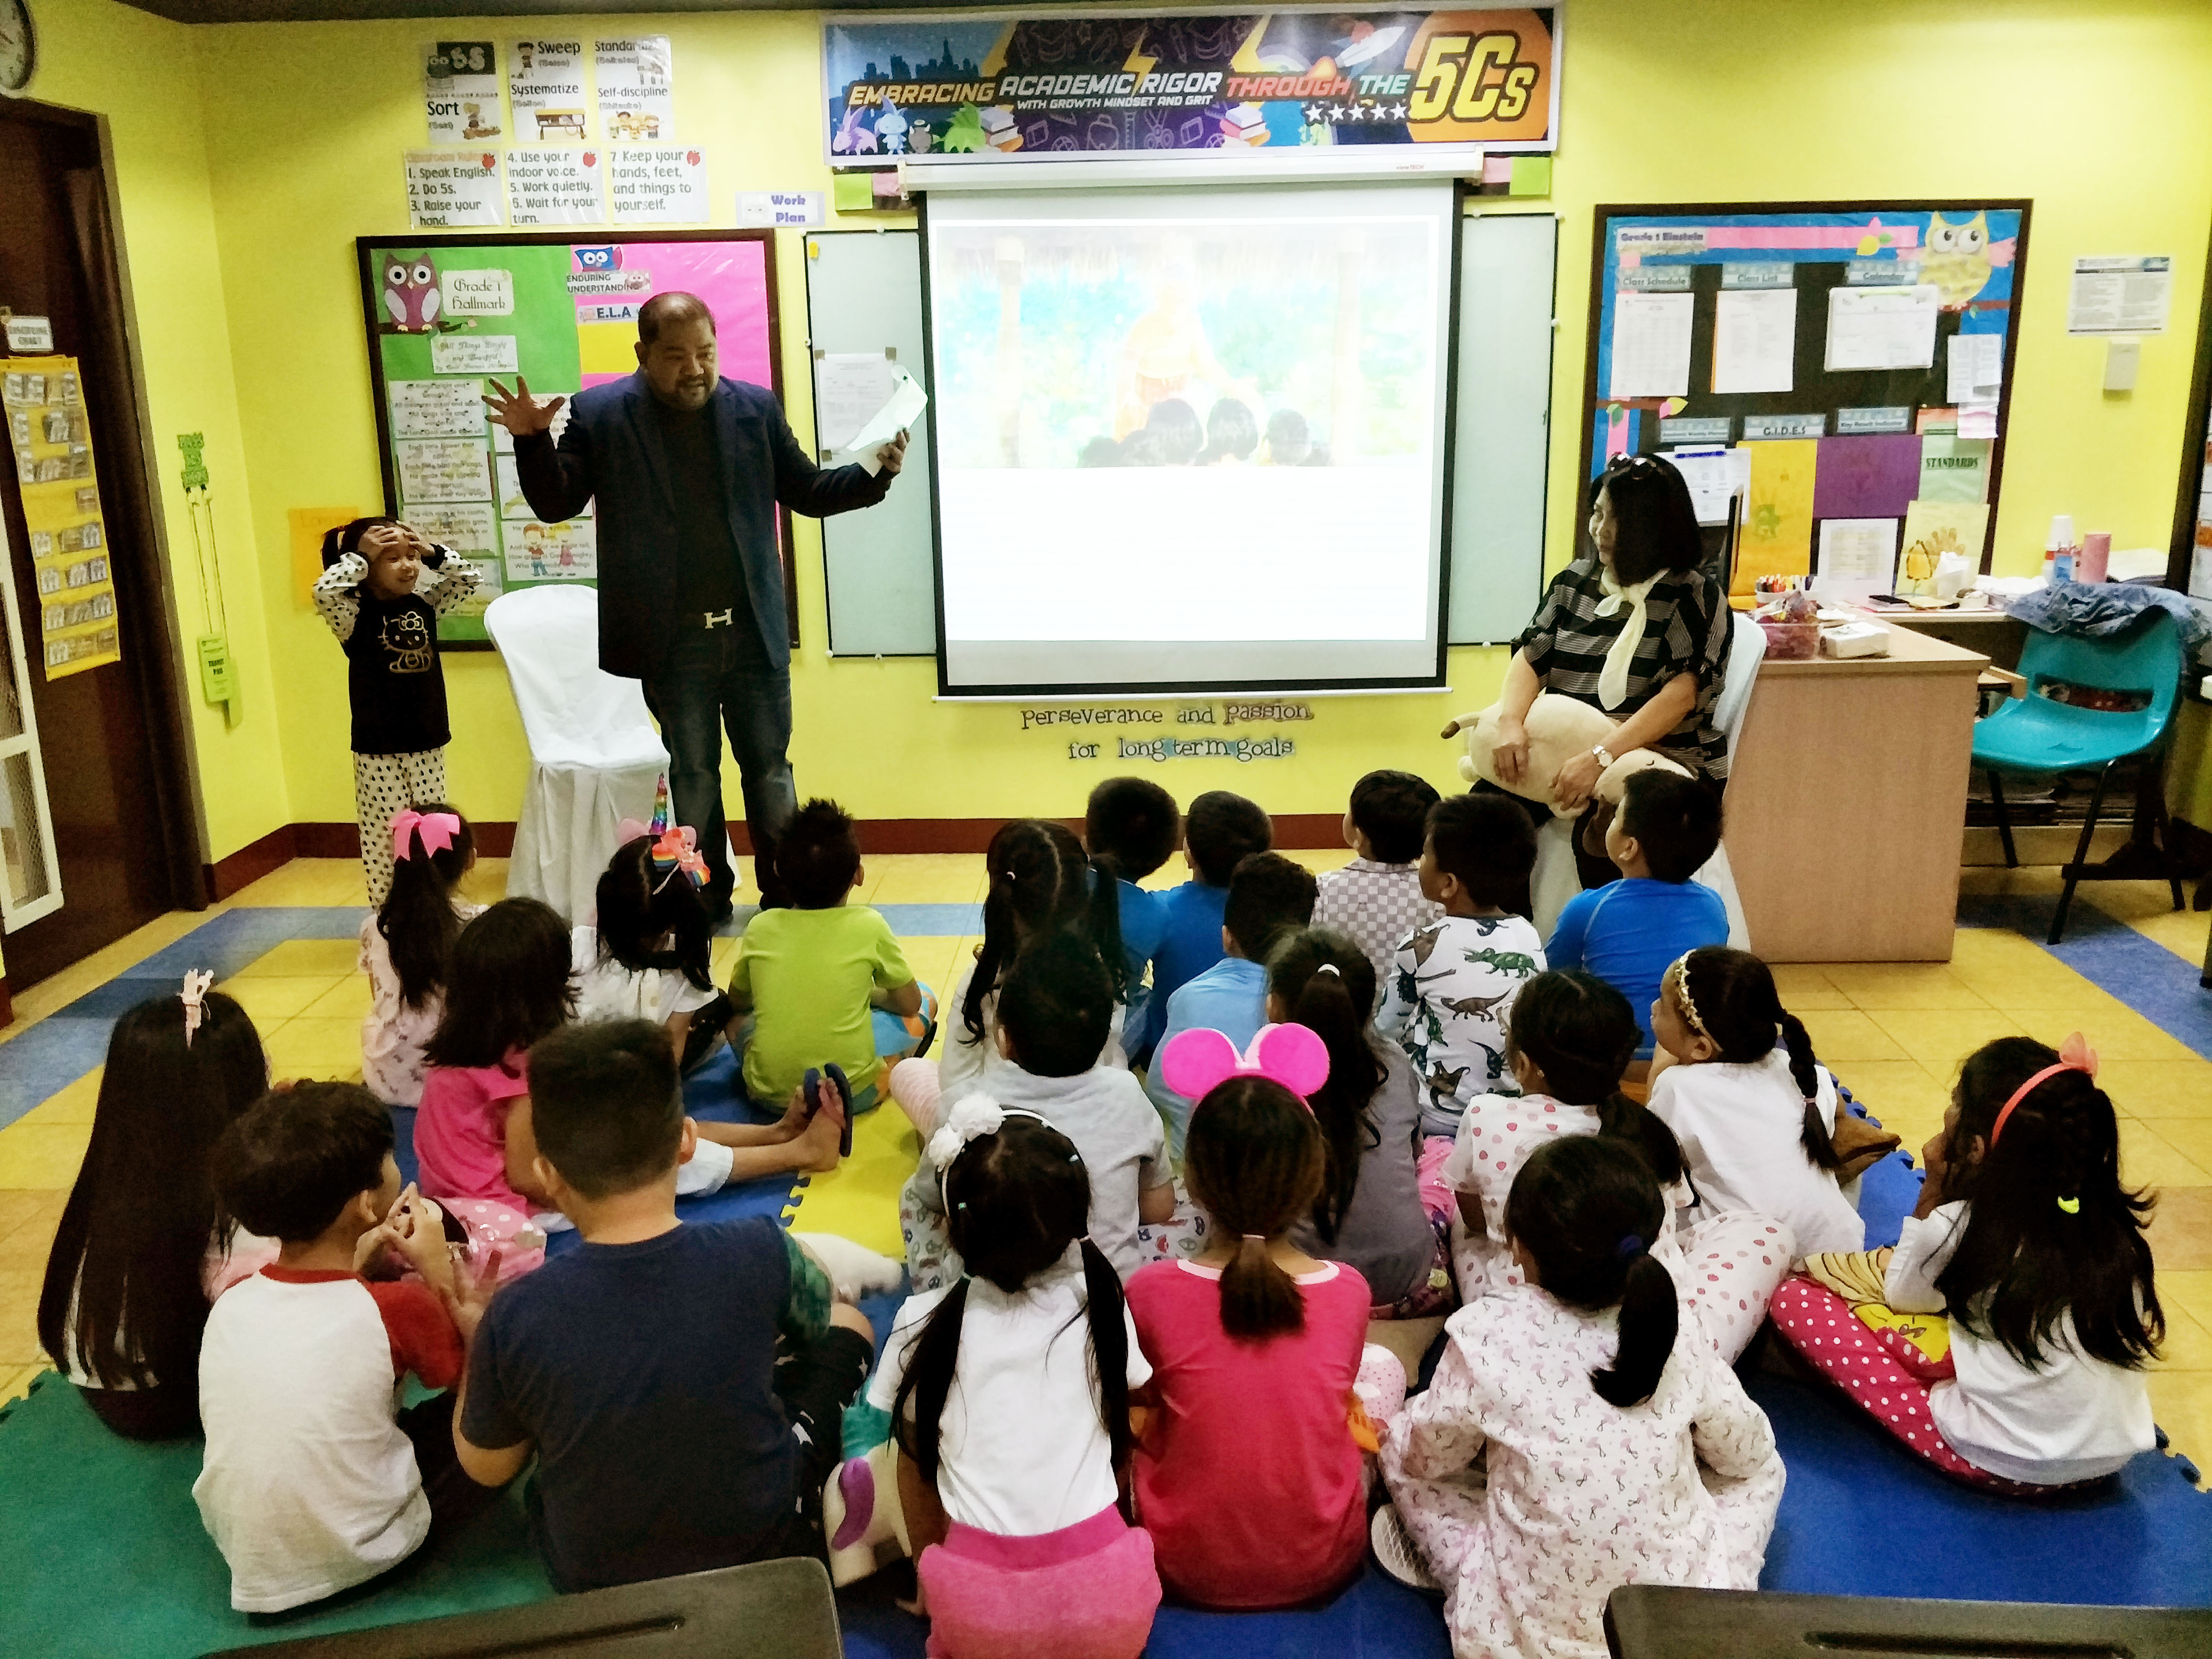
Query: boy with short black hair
[
  {"x": 1452, "y": 982},
  {"x": 1376, "y": 900},
  {"x": 1628, "y": 930},
  {"x": 681, "y": 1385},
  {"x": 1269, "y": 896},
  {"x": 312, "y": 1481},
  {"x": 1055, "y": 1005},
  {"x": 811, "y": 975},
  {"x": 1221, "y": 831},
  {"x": 1130, "y": 826}
]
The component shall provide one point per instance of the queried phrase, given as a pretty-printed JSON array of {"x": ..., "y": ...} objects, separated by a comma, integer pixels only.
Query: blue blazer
[{"x": 611, "y": 450}]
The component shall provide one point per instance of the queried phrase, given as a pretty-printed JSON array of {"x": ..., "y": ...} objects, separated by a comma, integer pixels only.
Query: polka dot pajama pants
[
  {"x": 1731, "y": 1264},
  {"x": 1881, "y": 1371},
  {"x": 382, "y": 785}
]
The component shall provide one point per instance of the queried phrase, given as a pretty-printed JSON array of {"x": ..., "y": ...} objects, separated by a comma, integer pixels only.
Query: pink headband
[
  {"x": 2074, "y": 1055},
  {"x": 438, "y": 830},
  {"x": 1197, "y": 1061}
]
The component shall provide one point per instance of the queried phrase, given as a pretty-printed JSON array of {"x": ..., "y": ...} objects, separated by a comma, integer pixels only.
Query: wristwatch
[{"x": 1604, "y": 756}]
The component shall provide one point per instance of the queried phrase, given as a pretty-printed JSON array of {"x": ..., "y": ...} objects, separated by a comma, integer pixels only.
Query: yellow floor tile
[
  {"x": 2188, "y": 1346},
  {"x": 1902, "y": 986},
  {"x": 348, "y": 1000},
  {"x": 328, "y": 1048},
  {"x": 268, "y": 1001},
  {"x": 2115, "y": 1031},
  {"x": 36, "y": 1002},
  {"x": 42, "y": 1155},
  {"x": 2190, "y": 1292},
  {"x": 1901, "y": 1093},
  {"x": 2182, "y": 932},
  {"x": 925, "y": 879},
  {"x": 1941, "y": 1038},
  {"x": 326, "y": 959},
  {"x": 16, "y": 1383},
  {"x": 2159, "y": 1088},
  {"x": 2181, "y": 1401},
  {"x": 2148, "y": 1159},
  {"x": 1802, "y": 985},
  {"x": 484, "y": 885},
  {"x": 2191, "y": 1137},
  {"x": 307, "y": 882},
  {"x": 25, "y": 1206},
  {"x": 1844, "y": 1036},
  {"x": 26, "y": 1249},
  {"x": 74, "y": 1103},
  {"x": 19, "y": 1326}
]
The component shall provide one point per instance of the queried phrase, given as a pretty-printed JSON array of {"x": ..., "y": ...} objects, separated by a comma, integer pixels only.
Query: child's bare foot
[{"x": 820, "y": 1139}]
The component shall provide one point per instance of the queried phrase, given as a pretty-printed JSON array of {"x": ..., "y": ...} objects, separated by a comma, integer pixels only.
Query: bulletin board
[
  {"x": 1837, "y": 376},
  {"x": 446, "y": 313}
]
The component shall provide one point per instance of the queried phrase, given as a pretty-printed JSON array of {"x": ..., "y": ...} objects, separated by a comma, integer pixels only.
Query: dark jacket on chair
[{"x": 612, "y": 449}]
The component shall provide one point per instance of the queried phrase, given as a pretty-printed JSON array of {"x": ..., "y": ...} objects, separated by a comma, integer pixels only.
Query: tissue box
[{"x": 1855, "y": 640}]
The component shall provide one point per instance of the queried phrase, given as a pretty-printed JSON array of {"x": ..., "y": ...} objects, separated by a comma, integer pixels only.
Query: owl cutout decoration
[
  {"x": 410, "y": 296},
  {"x": 406, "y": 639},
  {"x": 1959, "y": 258}
]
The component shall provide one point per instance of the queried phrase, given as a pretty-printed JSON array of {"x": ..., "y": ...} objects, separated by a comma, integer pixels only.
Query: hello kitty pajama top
[{"x": 1531, "y": 1498}]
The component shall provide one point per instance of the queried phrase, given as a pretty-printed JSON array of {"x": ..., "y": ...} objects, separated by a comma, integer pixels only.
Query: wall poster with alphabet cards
[
  {"x": 50, "y": 434},
  {"x": 1811, "y": 365},
  {"x": 447, "y": 315}
]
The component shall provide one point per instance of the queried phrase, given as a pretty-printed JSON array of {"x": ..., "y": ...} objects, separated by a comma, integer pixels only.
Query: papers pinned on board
[
  {"x": 1882, "y": 328},
  {"x": 1651, "y": 345}
]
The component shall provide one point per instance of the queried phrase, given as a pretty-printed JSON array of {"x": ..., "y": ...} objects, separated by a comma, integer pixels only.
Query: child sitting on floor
[
  {"x": 1453, "y": 982},
  {"x": 1129, "y": 828},
  {"x": 313, "y": 1481},
  {"x": 1569, "y": 1042},
  {"x": 1053, "y": 1013},
  {"x": 407, "y": 947},
  {"x": 1269, "y": 896},
  {"x": 1250, "y": 1480},
  {"x": 1219, "y": 832},
  {"x": 143, "y": 1248},
  {"x": 1370, "y": 1214},
  {"x": 1009, "y": 1394},
  {"x": 1040, "y": 882},
  {"x": 2026, "y": 1239},
  {"x": 681, "y": 1386},
  {"x": 1615, "y": 1449},
  {"x": 646, "y": 953},
  {"x": 809, "y": 975},
  {"x": 1757, "y": 1119},
  {"x": 1375, "y": 901},
  {"x": 1627, "y": 931}
]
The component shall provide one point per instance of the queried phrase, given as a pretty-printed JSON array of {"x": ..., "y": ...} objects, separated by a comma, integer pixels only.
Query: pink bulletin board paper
[
  {"x": 1867, "y": 477},
  {"x": 732, "y": 277}
]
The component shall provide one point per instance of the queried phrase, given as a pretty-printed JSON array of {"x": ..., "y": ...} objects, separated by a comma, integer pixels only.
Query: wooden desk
[
  {"x": 1994, "y": 634},
  {"x": 1847, "y": 803}
]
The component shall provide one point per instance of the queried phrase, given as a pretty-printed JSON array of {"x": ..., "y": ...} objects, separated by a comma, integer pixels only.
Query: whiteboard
[{"x": 864, "y": 293}]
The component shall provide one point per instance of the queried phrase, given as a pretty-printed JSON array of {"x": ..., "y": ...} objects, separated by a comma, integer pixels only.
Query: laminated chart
[{"x": 50, "y": 434}]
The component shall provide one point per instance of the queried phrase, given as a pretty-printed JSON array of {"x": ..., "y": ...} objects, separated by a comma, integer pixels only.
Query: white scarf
[{"x": 1612, "y": 680}]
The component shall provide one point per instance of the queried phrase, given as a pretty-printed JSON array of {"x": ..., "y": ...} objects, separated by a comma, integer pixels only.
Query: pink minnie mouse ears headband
[{"x": 1197, "y": 1061}]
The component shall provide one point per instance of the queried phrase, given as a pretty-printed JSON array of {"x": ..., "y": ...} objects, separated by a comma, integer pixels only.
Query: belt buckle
[{"x": 723, "y": 620}]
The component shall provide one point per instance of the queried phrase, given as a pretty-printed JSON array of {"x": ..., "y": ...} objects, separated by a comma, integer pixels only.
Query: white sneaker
[{"x": 1397, "y": 1554}]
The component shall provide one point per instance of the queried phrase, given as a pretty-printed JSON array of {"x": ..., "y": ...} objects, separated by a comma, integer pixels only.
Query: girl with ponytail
[
  {"x": 1756, "y": 1116},
  {"x": 1009, "y": 1397},
  {"x": 2026, "y": 1239},
  {"x": 1369, "y": 1214},
  {"x": 1616, "y": 1444},
  {"x": 1250, "y": 1482},
  {"x": 1570, "y": 1042},
  {"x": 406, "y": 944}
]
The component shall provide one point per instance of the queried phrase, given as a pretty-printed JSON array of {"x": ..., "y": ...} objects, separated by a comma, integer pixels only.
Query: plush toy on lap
[{"x": 1559, "y": 728}]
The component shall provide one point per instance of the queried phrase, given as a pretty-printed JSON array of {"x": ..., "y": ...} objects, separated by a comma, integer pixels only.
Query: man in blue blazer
[{"x": 687, "y": 469}]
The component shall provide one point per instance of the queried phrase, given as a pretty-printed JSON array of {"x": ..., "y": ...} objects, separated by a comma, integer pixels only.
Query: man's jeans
[{"x": 715, "y": 678}]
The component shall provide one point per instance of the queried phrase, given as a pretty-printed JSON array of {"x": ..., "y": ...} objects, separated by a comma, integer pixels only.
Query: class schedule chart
[{"x": 445, "y": 316}]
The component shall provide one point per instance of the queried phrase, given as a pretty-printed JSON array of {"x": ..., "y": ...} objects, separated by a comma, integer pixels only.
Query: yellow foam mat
[{"x": 860, "y": 1199}]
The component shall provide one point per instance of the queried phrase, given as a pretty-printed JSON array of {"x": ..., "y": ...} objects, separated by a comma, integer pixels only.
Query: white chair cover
[
  {"x": 594, "y": 754},
  {"x": 1555, "y": 879}
]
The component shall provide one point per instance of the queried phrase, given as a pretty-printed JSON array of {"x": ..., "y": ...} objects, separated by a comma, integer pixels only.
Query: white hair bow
[{"x": 974, "y": 1117}]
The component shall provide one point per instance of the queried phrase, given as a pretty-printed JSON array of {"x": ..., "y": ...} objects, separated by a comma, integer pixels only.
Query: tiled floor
[{"x": 1894, "y": 1032}]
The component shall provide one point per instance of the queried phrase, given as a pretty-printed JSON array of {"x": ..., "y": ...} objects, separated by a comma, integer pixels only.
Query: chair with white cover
[
  {"x": 1556, "y": 879},
  {"x": 594, "y": 755}
]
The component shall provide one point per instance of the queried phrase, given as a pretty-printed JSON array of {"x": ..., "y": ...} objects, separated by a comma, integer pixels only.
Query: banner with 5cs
[{"x": 995, "y": 89}]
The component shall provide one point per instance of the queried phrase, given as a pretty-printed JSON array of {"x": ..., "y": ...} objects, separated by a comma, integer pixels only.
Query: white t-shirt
[
  {"x": 1022, "y": 1450},
  {"x": 1740, "y": 1126},
  {"x": 607, "y": 990},
  {"x": 2071, "y": 1418},
  {"x": 968, "y": 1063}
]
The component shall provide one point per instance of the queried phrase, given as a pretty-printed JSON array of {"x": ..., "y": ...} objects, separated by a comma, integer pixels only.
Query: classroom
[{"x": 1518, "y": 703}]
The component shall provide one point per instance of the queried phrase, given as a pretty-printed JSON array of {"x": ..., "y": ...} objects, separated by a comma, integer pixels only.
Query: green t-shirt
[{"x": 809, "y": 974}]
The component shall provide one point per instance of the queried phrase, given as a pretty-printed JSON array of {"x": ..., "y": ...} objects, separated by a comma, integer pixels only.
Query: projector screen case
[{"x": 1192, "y": 440}]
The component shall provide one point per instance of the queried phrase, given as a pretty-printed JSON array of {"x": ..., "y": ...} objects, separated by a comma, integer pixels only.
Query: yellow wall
[
  {"x": 139, "y": 71},
  {"x": 2097, "y": 113}
]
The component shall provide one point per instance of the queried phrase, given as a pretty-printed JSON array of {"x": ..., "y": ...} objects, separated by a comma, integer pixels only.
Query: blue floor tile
[
  {"x": 46, "y": 1060},
  {"x": 932, "y": 921},
  {"x": 2140, "y": 971}
]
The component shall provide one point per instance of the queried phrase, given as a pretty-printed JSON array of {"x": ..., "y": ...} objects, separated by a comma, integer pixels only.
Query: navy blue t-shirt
[{"x": 643, "y": 1373}]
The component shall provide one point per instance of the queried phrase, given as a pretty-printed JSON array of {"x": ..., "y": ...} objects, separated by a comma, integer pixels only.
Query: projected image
[{"x": 1174, "y": 344}]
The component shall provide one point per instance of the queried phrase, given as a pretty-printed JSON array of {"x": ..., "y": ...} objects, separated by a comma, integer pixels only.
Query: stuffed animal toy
[{"x": 1559, "y": 728}]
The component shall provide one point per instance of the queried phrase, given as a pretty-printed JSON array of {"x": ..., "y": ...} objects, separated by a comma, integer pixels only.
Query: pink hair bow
[
  {"x": 1196, "y": 1062},
  {"x": 438, "y": 830}
]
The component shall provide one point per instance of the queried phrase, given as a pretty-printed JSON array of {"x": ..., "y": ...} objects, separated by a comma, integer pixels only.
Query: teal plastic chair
[{"x": 2032, "y": 733}]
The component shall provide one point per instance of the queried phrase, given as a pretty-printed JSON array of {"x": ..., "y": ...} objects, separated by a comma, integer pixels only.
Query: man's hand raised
[
  {"x": 518, "y": 412},
  {"x": 892, "y": 455}
]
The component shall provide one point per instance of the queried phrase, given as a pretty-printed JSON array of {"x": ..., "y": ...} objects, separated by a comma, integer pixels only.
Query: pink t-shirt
[
  {"x": 460, "y": 1130},
  {"x": 1250, "y": 1483}
]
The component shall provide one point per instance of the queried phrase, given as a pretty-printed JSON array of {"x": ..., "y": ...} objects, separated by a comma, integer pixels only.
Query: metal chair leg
[
  {"x": 2081, "y": 854},
  {"x": 2165, "y": 824},
  {"x": 2004, "y": 819}
]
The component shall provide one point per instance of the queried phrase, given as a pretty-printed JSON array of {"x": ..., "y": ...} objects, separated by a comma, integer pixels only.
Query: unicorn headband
[
  {"x": 196, "y": 984},
  {"x": 975, "y": 1117},
  {"x": 675, "y": 847}
]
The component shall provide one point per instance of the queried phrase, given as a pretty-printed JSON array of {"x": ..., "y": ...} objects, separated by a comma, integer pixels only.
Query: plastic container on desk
[{"x": 1792, "y": 641}]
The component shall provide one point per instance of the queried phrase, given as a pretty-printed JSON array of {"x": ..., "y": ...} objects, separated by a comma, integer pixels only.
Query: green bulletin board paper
[{"x": 1955, "y": 469}]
